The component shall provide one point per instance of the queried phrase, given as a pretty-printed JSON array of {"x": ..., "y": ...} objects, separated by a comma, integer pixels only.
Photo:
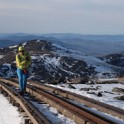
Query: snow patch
[
  {"x": 1, "y": 56},
  {"x": 12, "y": 46},
  {"x": 8, "y": 113}
]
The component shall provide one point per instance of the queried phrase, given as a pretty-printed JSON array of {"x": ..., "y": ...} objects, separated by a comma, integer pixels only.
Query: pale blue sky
[{"x": 62, "y": 16}]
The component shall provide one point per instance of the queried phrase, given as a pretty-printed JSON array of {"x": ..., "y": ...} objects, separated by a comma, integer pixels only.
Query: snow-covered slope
[
  {"x": 100, "y": 66},
  {"x": 54, "y": 63}
]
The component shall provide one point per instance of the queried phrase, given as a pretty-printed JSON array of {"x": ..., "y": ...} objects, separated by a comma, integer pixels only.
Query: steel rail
[
  {"x": 80, "y": 114},
  {"x": 35, "y": 115},
  {"x": 103, "y": 107}
]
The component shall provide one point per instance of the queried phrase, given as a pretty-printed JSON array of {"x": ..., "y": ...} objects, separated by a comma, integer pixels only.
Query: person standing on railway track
[{"x": 23, "y": 61}]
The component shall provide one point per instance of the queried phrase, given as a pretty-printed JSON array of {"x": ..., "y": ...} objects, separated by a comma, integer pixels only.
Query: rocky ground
[
  {"x": 53, "y": 63},
  {"x": 46, "y": 64}
]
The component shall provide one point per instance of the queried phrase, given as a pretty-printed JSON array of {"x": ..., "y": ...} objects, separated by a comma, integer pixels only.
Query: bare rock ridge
[{"x": 52, "y": 63}]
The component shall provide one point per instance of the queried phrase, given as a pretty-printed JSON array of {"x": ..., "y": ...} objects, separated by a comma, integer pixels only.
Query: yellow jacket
[{"x": 23, "y": 61}]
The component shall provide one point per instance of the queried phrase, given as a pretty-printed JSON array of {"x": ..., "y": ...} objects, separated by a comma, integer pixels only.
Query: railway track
[
  {"x": 33, "y": 114},
  {"x": 103, "y": 107},
  {"x": 60, "y": 99}
]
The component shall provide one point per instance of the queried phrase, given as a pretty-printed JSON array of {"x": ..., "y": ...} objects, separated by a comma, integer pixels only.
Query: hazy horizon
[
  {"x": 62, "y": 16},
  {"x": 56, "y": 33}
]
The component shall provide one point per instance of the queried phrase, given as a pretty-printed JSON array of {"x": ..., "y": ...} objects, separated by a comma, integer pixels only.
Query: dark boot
[
  {"x": 21, "y": 92},
  {"x": 24, "y": 90}
]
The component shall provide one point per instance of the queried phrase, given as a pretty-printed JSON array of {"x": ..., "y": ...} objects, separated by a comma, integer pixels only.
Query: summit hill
[{"x": 54, "y": 63}]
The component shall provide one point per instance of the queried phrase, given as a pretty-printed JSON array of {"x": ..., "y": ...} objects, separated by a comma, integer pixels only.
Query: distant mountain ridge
[
  {"x": 116, "y": 59},
  {"x": 95, "y": 45}
]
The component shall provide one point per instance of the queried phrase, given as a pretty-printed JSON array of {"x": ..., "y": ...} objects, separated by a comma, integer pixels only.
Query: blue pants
[{"x": 22, "y": 79}]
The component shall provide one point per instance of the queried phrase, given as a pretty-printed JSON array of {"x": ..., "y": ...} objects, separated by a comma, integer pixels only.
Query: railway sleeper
[
  {"x": 5, "y": 94},
  {"x": 26, "y": 120},
  {"x": 20, "y": 109},
  {"x": 13, "y": 102},
  {"x": 1, "y": 90}
]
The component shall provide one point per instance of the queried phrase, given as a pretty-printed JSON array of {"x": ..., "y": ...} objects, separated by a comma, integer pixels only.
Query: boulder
[
  {"x": 116, "y": 89},
  {"x": 119, "y": 97}
]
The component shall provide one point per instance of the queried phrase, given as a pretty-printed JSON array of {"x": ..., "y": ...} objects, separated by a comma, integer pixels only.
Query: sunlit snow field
[{"x": 105, "y": 89}]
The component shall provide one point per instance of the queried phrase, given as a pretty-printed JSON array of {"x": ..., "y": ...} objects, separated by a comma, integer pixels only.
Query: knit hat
[{"x": 21, "y": 48}]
